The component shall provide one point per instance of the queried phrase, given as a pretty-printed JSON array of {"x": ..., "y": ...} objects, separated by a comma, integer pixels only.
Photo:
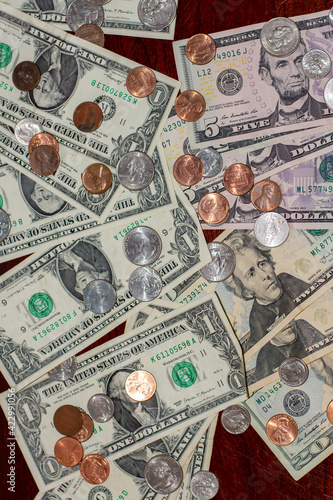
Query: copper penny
[
  {"x": 200, "y": 49},
  {"x": 188, "y": 170},
  {"x": 68, "y": 451},
  {"x": 266, "y": 195},
  {"x": 95, "y": 469},
  {"x": 26, "y": 76},
  {"x": 86, "y": 430},
  {"x": 92, "y": 33},
  {"x": 44, "y": 160},
  {"x": 238, "y": 179},
  {"x": 88, "y": 116},
  {"x": 97, "y": 178},
  {"x": 281, "y": 429},
  {"x": 140, "y": 385},
  {"x": 43, "y": 139},
  {"x": 329, "y": 411},
  {"x": 141, "y": 81},
  {"x": 213, "y": 208},
  {"x": 190, "y": 105},
  {"x": 67, "y": 420}
]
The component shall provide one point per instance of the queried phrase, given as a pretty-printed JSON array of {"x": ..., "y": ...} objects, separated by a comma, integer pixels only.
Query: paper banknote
[
  {"x": 151, "y": 312},
  {"x": 250, "y": 93}
]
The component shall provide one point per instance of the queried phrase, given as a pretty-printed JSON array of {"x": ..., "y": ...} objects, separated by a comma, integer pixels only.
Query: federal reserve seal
[
  {"x": 229, "y": 82},
  {"x": 107, "y": 105},
  {"x": 296, "y": 403},
  {"x": 326, "y": 169},
  {"x": 100, "y": 493}
]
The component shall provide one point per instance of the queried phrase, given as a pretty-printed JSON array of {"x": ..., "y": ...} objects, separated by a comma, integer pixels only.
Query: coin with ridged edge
[
  {"x": 235, "y": 419},
  {"x": 316, "y": 64},
  {"x": 135, "y": 170},
  {"x": 81, "y": 12},
  {"x": 293, "y": 371},
  {"x": 271, "y": 229},
  {"x": 280, "y": 36},
  {"x": 157, "y": 16},
  {"x": 222, "y": 265},
  {"x": 101, "y": 408},
  {"x": 204, "y": 485},
  {"x": 163, "y": 474},
  {"x": 26, "y": 129},
  {"x": 142, "y": 246},
  {"x": 328, "y": 93},
  {"x": 145, "y": 284},
  {"x": 211, "y": 160},
  {"x": 99, "y": 296},
  {"x": 65, "y": 370},
  {"x": 4, "y": 225}
]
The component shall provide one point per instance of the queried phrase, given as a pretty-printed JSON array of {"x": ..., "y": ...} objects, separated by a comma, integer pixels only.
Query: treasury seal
[
  {"x": 229, "y": 82},
  {"x": 296, "y": 403},
  {"x": 107, "y": 105}
]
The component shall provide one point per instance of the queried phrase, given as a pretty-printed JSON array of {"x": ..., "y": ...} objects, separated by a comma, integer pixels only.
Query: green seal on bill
[
  {"x": 5, "y": 55},
  {"x": 316, "y": 232},
  {"x": 1, "y": 201},
  {"x": 326, "y": 169},
  {"x": 184, "y": 374},
  {"x": 40, "y": 305}
]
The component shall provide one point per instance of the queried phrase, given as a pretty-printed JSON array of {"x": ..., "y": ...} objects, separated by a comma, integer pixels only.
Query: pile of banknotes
[{"x": 241, "y": 325}]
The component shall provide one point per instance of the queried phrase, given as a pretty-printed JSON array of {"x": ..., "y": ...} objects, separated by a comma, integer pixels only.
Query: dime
[
  {"x": 330, "y": 16},
  {"x": 188, "y": 170},
  {"x": 266, "y": 195},
  {"x": 92, "y": 33},
  {"x": 145, "y": 284},
  {"x": 238, "y": 179},
  {"x": 236, "y": 419},
  {"x": 26, "y": 76},
  {"x": 44, "y": 160},
  {"x": 157, "y": 15},
  {"x": 204, "y": 485},
  {"x": 65, "y": 370},
  {"x": 211, "y": 161},
  {"x": 316, "y": 64},
  {"x": 213, "y": 208},
  {"x": 328, "y": 93},
  {"x": 281, "y": 429},
  {"x": 141, "y": 81},
  {"x": 86, "y": 430},
  {"x": 135, "y": 170},
  {"x": 26, "y": 129},
  {"x": 329, "y": 410},
  {"x": 87, "y": 116},
  {"x": 67, "y": 420},
  {"x": 200, "y": 49},
  {"x": 94, "y": 469},
  {"x": 101, "y": 408},
  {"x": 163, "y": 474},
  {"x": 97, "y": 178},
  {"x": 271, "y": 229},
  {"x": 190, "y": 105},
  {"x": 99, "y": 296},
  {"x": 280, "y": 36},
  {"x": 68, "y": 451},
  {"x": 293, "y": 371},
  {"x": 140, "y": 385},
  {"x": 223, "y": 264},
  {"x": 43, "y": 139},
  {"x": 4, "y": 225},
  {"x": 81, "y": 12},
  {"x": 142, "y": 246}
]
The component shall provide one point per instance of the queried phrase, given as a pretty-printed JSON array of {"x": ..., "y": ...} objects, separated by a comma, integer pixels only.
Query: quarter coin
[
  {"x": 238, "y": 179},
  {"x": 92, "y": 33},
  {"x": 157, "y": 16},
  {"x": 266, "y": 195},
  {"x": 222, "y": 265},
  {"x": 271, "y": 229},
  {"x": 4, "y": 225},
  {"x": 43, "y": 139},
  {"x": 26, "y": 129},
  {"x": 236, "y": 419},
  {"x": 280, "y": 36},
  {"x": 65, "y": 370},
  {"x": 204, "y": 485},
  {"x": 101, "y": 408},
  {"x": 142, "y": 246},
  {"x": 329, "y": 410},
  {"x": 141, "y": 81},
  {"x": 68, "y": 451},
  {"x": 82, "y": 12},
  {"x": 293, "y": 371},
  {"x": 94, "y": 469},
  {"x": 86, "y": 430},
  {"x": 316, "y": 64},
  {"x": 99, "y": 296},
  {"x": 281, "y": 429},
  {"x": 145, "y": 284},
  {"x": 200, "y": 49},
  {"x": 67, "y": 420},
  {"x": 44, "y": 161},
  {"x": 140, "y": 385},
  {"x": 26, "y": 76},
  {"x": 328, "y": 93},
  {"x": 188, "y": 170},
  {"x": 97, "y": 178},
  {"x": 163, "y": 474},
  {"x": 330, "y": 16},
  {"x": 211, "y": 161},
  {"x": 135, "y": 170},
  {"x": 213, "y": 208},
  {"x": 87, "y": 116},
  {"x": 190, "y": 105}
]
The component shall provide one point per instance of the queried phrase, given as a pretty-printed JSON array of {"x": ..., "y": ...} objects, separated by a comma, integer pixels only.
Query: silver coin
[
  {"x": 4, "y": 225},
  {"x": 99, "y": 296},
  {"x": 271, "y": 229},
  {"x": 145, "y": 284},
  {"x": 316, "y": 64},
  {"x": 98, "y": 2},
  {"x": 328, "y": 93},
  {"x": 25, "y": 130},
  {"x": 100, "y": 408},
  {"x": 293, "y": 371},
  {"x": 330, "y": 16},
  {"x": 236, "y": 419},
  {"x": 280, "y": 36},
  {"x": 157, "y": 14},
  {"x": 142, "y": 246},
  {"x": 135, "y": 170},
  {"x": 163, "y": 474},
  {"x": 65, "y": 370},
  {"x": 204, "y": 485},
  {"x": 81, "y": 12},
  {"x": 223, "y": 264},
  {"x": 211, "y": 160}
]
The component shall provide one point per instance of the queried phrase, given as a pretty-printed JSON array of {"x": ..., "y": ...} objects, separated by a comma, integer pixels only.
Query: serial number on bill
[{"x": 315, "y": 189}]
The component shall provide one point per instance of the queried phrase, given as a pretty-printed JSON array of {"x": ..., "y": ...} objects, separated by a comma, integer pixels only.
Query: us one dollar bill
[
  {"x": 43, "y": 317},
  {"x": 151, "y": 312},
  {"x": 195, "y": 358},
  {"x": 250, "y": 93},
  {"x": 307, "y": 405}
]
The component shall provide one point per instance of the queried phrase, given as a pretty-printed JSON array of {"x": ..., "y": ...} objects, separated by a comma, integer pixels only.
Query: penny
[
  {"x": 188, "y": 170},
  {"x": 213, "y": 208},
  {"x": 135, "y": 170},
  {"x": 280, "y": 36},
  {"x": 87, "y": 116},
  {"x": 43, "y": 139},
  {"x": 86, "y": 430},
  {"x": 190, "y": 105},
  {"x": 142, "y": 246},
  {"x": 238, "y": 179},
  {"x": 163, "y": 474},
  {"x": 329, "y": 410},
  {"x": 145, "y": 284},
  {"x": 140, "y": 385},
  {"x": 4, "y": 225},
  {"x": 266, "y": 195},
  {"x": 200, "y": 49},
  {"x": 157, "y": 15},
  {"x": 92, "y": 33},
  {"x": 44, "y": 160},
  {"x": 328, "y": 93},
  {"x": 81, "y": 12},
  {"x": 101, "y": 408},
  {"x": 67, "y": 420},
  {"x": 316, "y": 64},
  {"x": 68, "y": 451},
  {"x": 99, "y": 296},
  {"x": 222, "y": 265},
  {"x": 94, "y": 469},
  {"x": 330, "y": 16},
  {"x": 65, "y": 370},
  {"x": 271, "y": 229},
  {"x": 235, "y": 419},
  {"x": 281, "y": 429},
  {"x": 204, "y": 485},
  {"x": 26, "y": 76},
  {"x": 97, "y": 178},
  {"x": 211, "y": 161},
  {"x": 26, "y": 129},
  {"x": 293, "y": 371},
  {"x": 141, "y": 81}
]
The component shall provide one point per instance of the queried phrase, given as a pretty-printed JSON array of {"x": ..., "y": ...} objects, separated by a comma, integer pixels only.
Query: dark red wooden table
[{"x": 245, "y": 466}]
